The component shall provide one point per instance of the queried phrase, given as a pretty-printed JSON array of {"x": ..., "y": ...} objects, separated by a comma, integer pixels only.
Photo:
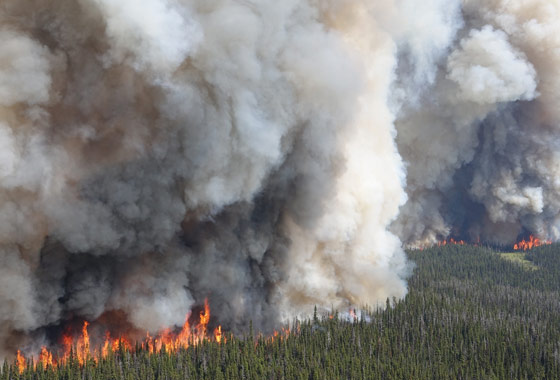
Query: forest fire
[
  {"x": 21, "y": 362},
  {"x": 451, "y": 241},
  {"x": 533, "y": 242},
  {"x": 81, "y": 350},
  {"x": 443, "y": 243},
  {"x": 523, "y": 245}
]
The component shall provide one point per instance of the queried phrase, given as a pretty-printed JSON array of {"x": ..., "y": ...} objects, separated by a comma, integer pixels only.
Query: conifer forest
[{"x": 471, "y": 313}]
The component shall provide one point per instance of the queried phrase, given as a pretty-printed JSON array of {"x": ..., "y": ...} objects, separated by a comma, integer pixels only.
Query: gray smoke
[
  {"x": 269, "y": 155},
  {"x": 477, "y": 120},
  {"x": 154, "y": 153}
]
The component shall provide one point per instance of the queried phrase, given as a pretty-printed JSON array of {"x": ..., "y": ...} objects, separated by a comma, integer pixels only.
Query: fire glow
[
  {"x": 450, "y": 242},
  {"x": 533, "y": 242},
  {"x": 80, "y": 348}
]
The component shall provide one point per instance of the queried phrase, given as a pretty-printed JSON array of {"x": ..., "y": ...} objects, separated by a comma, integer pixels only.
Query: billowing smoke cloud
[
  {"x": 270, "y": 155},
  {"x": 478, "y": 134},
  {"x": 154, "y": 153}
]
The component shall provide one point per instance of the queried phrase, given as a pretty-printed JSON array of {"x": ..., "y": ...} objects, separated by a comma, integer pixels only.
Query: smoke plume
[
  {"x": 476, "y": 120},
  {"x": 270, "y": 155}
]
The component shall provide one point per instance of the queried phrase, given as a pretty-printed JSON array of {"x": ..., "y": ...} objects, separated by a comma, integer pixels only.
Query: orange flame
[
  {"x": 82, "y": 347},
  {"x": 443, "y": 243},
  {"x": 46, "y": 357},
  {"x": 21, "y": 362},
  {"x": 106, "y": 345},
  {"x": 165, "y": 340},
  {"x": 184, "y": 336},
  {"x": 204, "y": 318},
  {"x": 218, "y": 334},
  {"x": 525, "y": 245},
  {"x": 276, "y": 335},
  {"x": 450, "y": 242}
]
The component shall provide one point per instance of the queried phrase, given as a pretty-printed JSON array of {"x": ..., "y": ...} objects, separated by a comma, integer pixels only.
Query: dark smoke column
[{"x": 157, "y": 152}]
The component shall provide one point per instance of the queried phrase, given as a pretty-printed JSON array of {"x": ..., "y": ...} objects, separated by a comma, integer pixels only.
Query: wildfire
[
  {"x": 523, "y": 245},
  {"x": 442, "y": 243},
  {"x": 276, "y": 335},
  {"x": 218, "y": 334},
  {"x": 45, "y": 357},
  {"x": 204, "y": 317},
  {"x": 80, "y": 348},
  {"x": 533, "y": 242},
  {"x": 451, "y": 241},
  {"x": 21, "y": 362}
]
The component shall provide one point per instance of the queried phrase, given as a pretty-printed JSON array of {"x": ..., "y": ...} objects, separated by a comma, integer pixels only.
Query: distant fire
[
  {"x": 533, "y": 242},
  {"x": 523, "y": 245},
  {"x": 442, "y": 243},
  {"x": 450, "y": 242},
  {"x": 80, "y": 349}
]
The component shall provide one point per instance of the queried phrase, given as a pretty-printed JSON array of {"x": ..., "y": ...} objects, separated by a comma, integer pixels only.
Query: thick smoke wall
[
  {"x": 268, "y": 155},
  {"x": 478, "y": 125},
  {"x": 155, "y": 153}
]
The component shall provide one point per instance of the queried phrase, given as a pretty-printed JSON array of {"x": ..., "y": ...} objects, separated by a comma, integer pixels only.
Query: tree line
[{"x": 469, "y": 314}]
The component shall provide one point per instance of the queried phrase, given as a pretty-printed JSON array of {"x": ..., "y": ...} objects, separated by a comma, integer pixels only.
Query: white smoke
[
  {"x": 271, "y": 156},
  {"x": 489, "y": 70}
]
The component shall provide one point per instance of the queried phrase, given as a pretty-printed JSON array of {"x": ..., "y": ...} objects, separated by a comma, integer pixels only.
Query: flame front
[
  {"x": 45, "y": 357},
  {"x": 525, "y": 245},
  {"x": 80, "y": 348},
  {"x": 441, "y": 243},
  {"x": 450, "y": 242}
]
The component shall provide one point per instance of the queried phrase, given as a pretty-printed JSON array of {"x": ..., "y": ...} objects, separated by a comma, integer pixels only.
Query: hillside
[{"x": 471, "y": 313}]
